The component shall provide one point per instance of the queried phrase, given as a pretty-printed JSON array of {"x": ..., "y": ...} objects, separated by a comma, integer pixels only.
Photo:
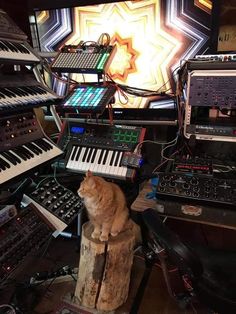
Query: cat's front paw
[
  {"x": 114, "y": 234},
  {"x": 95, "y": 235},
  {"x": 103, "y": 238}
]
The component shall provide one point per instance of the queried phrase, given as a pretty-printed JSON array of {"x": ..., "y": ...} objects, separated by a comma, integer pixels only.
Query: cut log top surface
[{"x": 121, "y": 237}]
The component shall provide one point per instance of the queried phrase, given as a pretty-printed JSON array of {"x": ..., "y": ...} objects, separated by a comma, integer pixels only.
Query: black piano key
[
  {"x": 105, "y": 157},
  {"x": 22, "y": 48},
  {"x": 3, "y": 47},
  {"x": 4, "y": 163},
  {"x": 14, "y": 92},
  {"x": 41, "y": 90},
  {"x": 117, "y": 158},
  {"x": 28, "y": 151},
  {"x": 9, "y": 157},
  {"x": 19, "y": 91},
  {"x": 94, "y": 154},
  {"x": 74, "y": 153},
  {"x": 33, "y": 148},
  {"x": 78, "y": 153},
  {"x": 19, "y": 47},
  {"x": 112, "y": 158},
  {"x": 18, "y": 160},
  {"x": 25, "y": 152},
  {"x": 41, "y": 145},
  {"x": 25, "y": 49},
  {"x": 90, "y": 152},
  {"x": 85, "y": 154},
  {"x": 19, "y": 153},
  {"x": 47, "y": 144},
  {"x": 13, "y": 46},
  {"x": 9, "y": 46},
  {"x": 29, "y": 90},
  {"x": 38, "y": 90},
  {"x": 2, "y": 95},
  {"x": 100, "y": 157},
  {"x": 7, "y": 92},
  {"x": 120, "y": 163}
]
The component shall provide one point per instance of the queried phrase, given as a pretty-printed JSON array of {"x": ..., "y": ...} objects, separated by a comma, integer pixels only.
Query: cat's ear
[{"x": 89, "y": 173}]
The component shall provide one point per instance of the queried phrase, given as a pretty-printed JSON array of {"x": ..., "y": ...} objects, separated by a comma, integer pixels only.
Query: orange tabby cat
[{"x": 105, "y": 204}]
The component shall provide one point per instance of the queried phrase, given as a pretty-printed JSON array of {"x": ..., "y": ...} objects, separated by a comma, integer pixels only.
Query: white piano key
[
  {"x": 103, "y": 166},
  {"x": 99, "y": 166},
  {"x": 86, "y": 164},
  {"x": 94, "y": 165},
  {"x": 115, "y": 168},
  {"x": 79, "y": 163},
  {"x": 108, "y": 168},
  {"x": 90, "y": 163},
  {"x": 69, "y": 164},
  {"x": 74, "y": 162},
  {"x": 122, "y": 170}
]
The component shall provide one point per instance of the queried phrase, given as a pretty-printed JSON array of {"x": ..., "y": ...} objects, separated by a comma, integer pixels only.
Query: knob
[
  {"x": 172, "y": 184},
  {"x": 194, "y": 181},
  {"x": 186, "y": 186}
]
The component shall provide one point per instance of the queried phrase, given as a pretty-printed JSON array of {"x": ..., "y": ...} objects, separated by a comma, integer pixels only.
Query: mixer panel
[{"x": 196, "y": 187}]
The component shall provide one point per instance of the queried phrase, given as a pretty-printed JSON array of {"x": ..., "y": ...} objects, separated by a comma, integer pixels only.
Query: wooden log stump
[{"x": 104, "y": 270}]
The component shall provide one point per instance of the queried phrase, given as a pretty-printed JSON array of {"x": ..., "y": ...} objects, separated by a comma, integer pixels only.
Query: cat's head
[{"x": 87, "y": 186}]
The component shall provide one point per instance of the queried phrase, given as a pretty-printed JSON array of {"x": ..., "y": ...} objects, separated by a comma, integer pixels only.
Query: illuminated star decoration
[{"x": 124, "y": 61}]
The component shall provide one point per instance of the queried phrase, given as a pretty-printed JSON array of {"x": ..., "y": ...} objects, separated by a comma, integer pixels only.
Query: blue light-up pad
[{"x": 89, "y": 98}]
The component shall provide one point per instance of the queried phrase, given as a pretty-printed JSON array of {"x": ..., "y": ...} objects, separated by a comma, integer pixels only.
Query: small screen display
[{"x": 77, "y": 130}]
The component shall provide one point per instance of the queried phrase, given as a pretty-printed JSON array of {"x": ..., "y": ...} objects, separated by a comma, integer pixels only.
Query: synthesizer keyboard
[
  {"x": 20, "y": 92},
  {"x": 24, "y": 146},
  {"x": 200, "y": 188},
  {"x": 19, "y": 238},
  {"x": 14, "y": 47},
  {"x": 99, "y": 148},
  {"x": 17, "y": 52}
]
